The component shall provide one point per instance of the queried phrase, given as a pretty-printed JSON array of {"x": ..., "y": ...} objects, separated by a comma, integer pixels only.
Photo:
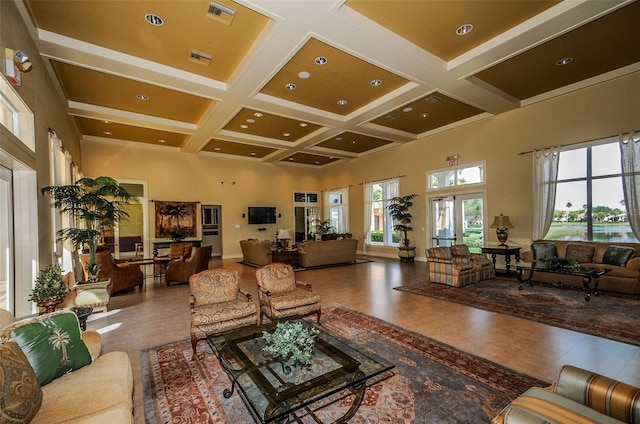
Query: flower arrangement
[
  {"x": 560, "y": 263},
  {"x": 291, "y": 341}
]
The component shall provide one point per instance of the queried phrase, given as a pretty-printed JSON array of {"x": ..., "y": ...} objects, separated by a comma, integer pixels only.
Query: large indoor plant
[
  {"x": 399, "y": 209},
  {"x": 49, "y": 289},
  {"x": 93, "y": 204}
]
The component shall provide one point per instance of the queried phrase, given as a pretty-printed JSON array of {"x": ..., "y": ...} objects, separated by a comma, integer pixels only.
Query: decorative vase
[
  {"x": 93, "y": 295},
  {"x": 49, "y": 305}
]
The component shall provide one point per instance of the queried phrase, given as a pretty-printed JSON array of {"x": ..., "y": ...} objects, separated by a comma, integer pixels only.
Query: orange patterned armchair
[
  {"x": 445, "y": 269},
  {"x": 482, "y": 267},
  {"x": 282, "y": 296},
  {"x": 218, "y": 304}
]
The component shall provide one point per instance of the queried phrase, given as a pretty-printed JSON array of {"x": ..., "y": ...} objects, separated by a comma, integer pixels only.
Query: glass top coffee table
[
  {"x": 276, "y": 391},
  {"x": 589, "y": 275}
]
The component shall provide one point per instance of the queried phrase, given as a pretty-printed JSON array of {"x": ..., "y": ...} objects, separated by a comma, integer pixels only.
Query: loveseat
[
  {"x": 623, "y": 260},
  {"x": 256, "y": 252},
  {"x": 86, "y": 387},
  {"x": 330, "y": 252},
  {"x": 577, "y": 396}
]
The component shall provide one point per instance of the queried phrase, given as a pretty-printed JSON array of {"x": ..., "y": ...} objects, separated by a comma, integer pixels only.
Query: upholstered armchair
[
  {"x": 482, "y": 266},
  {"x": 444, "y": 269},
  {"x": 218, "y": 304},
  {"x": 179, "y": 271},
  {"x": 122, "y": 275},
  {"x": 282, "y": 296},
  {"x": 180, "y": 250}
]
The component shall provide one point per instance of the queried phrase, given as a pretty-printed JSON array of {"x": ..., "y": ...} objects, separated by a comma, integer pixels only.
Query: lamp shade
[
  {"x": 501, "y": 221},
  {"x": 283, "y": 234}
]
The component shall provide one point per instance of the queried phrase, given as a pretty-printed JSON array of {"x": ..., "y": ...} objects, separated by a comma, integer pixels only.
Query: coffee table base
[{"x": 586, "y": 282}]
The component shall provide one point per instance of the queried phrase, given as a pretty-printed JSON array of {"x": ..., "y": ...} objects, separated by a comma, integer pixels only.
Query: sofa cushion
[
  {"x": 580, "y": 252},
  {"x": 52, "y": 344},
  {"x": 543, "y": 251},
  {"x": 617, "y": 255},
  {"x": 20, "y": 393}
]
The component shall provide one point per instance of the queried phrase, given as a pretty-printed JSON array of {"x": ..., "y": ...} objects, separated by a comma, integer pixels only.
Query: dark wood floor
[{"x": 160, "y": 314}]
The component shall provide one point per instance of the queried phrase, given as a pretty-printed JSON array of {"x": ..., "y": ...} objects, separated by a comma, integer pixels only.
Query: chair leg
[
  {"x": 319, "y": 313},
  {"x": 261, "y": 317},
  {"x": 194, "y": 342}
]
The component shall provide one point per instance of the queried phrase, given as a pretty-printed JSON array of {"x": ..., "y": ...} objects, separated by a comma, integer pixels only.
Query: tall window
[
  {"x": 589, "y": 203},
  {"x": 378, "y": 222},
  {"x": 336, "y": 204}
]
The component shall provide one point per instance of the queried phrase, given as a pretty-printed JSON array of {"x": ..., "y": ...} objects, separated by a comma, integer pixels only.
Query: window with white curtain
[
  {"x": 378, "y": 223},
  {"x": 336, "y": 209}
]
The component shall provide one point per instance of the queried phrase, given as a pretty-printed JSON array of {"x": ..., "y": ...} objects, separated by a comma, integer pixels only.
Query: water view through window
[{"x": 589, "y": 197}]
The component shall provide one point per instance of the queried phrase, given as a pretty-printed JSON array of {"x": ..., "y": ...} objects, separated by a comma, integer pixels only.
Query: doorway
[
  {"x": 211, "y": 228},
  {"x": 458, "y": 219}
]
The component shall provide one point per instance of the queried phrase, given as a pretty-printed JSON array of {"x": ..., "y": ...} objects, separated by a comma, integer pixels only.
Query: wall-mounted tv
[{"x": 262, "y": 215}]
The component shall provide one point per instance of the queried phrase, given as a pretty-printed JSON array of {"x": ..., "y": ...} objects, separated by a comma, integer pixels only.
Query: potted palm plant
[
  {"x": 93, "y": 204},
  {"x": 399, "y": 207},
  {"x": 49, "y": 289}
]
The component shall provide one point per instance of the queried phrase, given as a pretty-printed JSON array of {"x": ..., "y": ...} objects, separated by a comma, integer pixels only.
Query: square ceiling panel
[
  {"x": 309, "y": 159},
  {"x": 254, "y": 122},
  {"x": 101, "y": 89},
  {"x": 427, "y": 113},
  {"x": 168, "y": 36},
  {"x": 431, "y": 25},
  {"x": 355, "y": 143},
  {"x": 237, "y": 149},
  {"x": 614, "y": 36},
  {"x": 326, "y": 78},
  {"x": 114, "y": 130}
]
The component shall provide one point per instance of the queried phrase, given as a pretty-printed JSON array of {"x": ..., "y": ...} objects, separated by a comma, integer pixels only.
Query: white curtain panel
[
  {"x": 630, "y": 160},
  {"x": 545, "y": 177},
  {"x": 345, "y": 208},
  {"x": 368, "y": 205}
]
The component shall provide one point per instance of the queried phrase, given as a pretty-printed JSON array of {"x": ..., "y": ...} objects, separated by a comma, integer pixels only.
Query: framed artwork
[{"x": 175, "y": 220}]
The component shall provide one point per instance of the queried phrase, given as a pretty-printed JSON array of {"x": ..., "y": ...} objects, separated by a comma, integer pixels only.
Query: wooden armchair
[
  {"x": 282, "y": 296},
  {"x": 482, "y": 267},
  {"x": 179, "y": 271},
  {"x": 218, "y": 304},
  {"x": 444, "y": 269}
]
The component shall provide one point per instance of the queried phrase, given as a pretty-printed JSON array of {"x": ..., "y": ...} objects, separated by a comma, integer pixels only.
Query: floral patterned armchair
[
  {"x": 218, "y": 304},
  {"x": 282, "y": 296}
]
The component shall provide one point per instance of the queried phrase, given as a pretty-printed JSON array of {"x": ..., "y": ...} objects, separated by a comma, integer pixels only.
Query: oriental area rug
[
  {"x": 610, "y": 315},
  {"x": 432, "y": 382}
]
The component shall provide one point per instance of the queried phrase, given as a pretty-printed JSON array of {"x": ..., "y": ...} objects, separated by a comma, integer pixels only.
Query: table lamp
[
  {"x": 284, "y": 236},
  {"x": 502, "y": 224}
]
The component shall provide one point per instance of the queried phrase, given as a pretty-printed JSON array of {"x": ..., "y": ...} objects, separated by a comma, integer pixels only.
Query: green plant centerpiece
[
  {"x": 324, "y": 227},
  {"x": 93, "y": 204},
  {"x": 561, "y": 263},
  {"x": 291, "y": 341},
  {"x": 49, "y": 289}
]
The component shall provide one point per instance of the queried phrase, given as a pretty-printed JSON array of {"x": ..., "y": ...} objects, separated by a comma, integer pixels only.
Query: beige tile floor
[{"x": 159, "y": 314}]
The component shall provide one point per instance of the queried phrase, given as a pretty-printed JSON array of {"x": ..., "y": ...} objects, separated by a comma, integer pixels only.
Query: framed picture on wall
[{"x": 175, "y": 220}]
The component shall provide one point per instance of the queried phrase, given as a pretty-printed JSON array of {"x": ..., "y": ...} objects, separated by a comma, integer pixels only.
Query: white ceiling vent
[
  {"x": 220, "y": 13},
  {"x": 201, "y": 58}
]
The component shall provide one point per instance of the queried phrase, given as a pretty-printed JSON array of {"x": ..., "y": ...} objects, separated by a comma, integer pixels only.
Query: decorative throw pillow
[
  {"x": 543, "y": 251},
  {"x": 580, "y": 252},
  {"x": 52, "y": 345},
  {"x": 20, "y": 393},
  {"x": 617, "y": 255}
]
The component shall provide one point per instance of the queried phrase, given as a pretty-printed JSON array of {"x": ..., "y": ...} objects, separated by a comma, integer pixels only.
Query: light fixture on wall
[
  {"x": 502, "y": 224},
  {"x": 15, "y": 64}
]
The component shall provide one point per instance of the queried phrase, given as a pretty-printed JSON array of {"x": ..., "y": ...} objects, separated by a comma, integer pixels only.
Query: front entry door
[{"x": 458, "y": 219}]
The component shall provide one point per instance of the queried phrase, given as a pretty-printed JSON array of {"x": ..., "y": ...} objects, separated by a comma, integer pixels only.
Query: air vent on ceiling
[
  {"x": 391, "y": 117},
  {"x": 432, "y": 99},
  {"x": 201, "y": 58},
  {"x": 220, "y": 13}
]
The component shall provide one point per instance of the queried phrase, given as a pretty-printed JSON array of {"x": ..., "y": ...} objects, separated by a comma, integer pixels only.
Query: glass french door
[
  {"x": 6, "y": 240},
  {"x": 458, "y": 219}
]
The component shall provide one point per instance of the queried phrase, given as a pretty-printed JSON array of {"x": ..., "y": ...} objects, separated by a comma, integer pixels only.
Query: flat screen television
[{"x": 262, "y": 215}]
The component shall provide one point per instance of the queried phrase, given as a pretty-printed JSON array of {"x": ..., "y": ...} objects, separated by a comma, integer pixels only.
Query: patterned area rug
[
  {"x": 432, "y": 382},
  {"x": 301, "y": 268},
  {"x": 610, "y": 315}
]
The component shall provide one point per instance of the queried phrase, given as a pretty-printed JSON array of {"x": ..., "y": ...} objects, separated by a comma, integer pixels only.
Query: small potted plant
[
  {"x": 323, "y": 228},
  {"x": 49, "y": 289},
  {"x": 291, "y": 342}
]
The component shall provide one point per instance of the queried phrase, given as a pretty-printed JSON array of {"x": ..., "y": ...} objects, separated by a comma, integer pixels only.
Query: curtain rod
[
  {"x": 174, "y": 201},
  {"x": 382, "y": 179},
  {"x": 577, "y": 142},
  {"x": 337, "y": 188}
]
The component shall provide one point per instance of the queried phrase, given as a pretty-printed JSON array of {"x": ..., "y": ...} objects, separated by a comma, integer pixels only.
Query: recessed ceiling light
[
  {"x": 317, "y": 163},
  {"x": 290, "y": 86},
  {"x": 244, "y": 126},
  {"x": 290, "y": 158},
  {"x": 217, "y": 149},
  {"x": 304, "y": 75},
  {"x": 153, "y": 19},
  {"x": 106, "y": 122},
  {"x": 353, "y": 142},
  {"x": 565, "y": 61},
  {"x": 424, "y": 115},
  {"x": 375, "y": 82},
  {"x": 339, "y": 138},
  {"x": 251, "y": 121},
  {"x": 407, "y": 109},
  {"x": 142, "y": 97},
  {"x": 257, "y": 114},
  {"x": 162, "y": 140},
  {"x": 464, "y": 29},
  {"x": 320, "y": 60},
  {"x": 107, "y": 132},
  {"x": 342, "y": 102},
  {"x": 303, "y": 124},
  {"x": 253, "y": 153},
  {"x": 286, "y": 134}
]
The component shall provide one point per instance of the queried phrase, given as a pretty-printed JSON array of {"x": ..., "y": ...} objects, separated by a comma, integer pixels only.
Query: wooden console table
[{"x": 505, "y": 251}]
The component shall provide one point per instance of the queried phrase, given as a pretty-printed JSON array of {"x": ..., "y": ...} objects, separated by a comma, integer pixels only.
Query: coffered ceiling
[{"x": 315, "y": 82}]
